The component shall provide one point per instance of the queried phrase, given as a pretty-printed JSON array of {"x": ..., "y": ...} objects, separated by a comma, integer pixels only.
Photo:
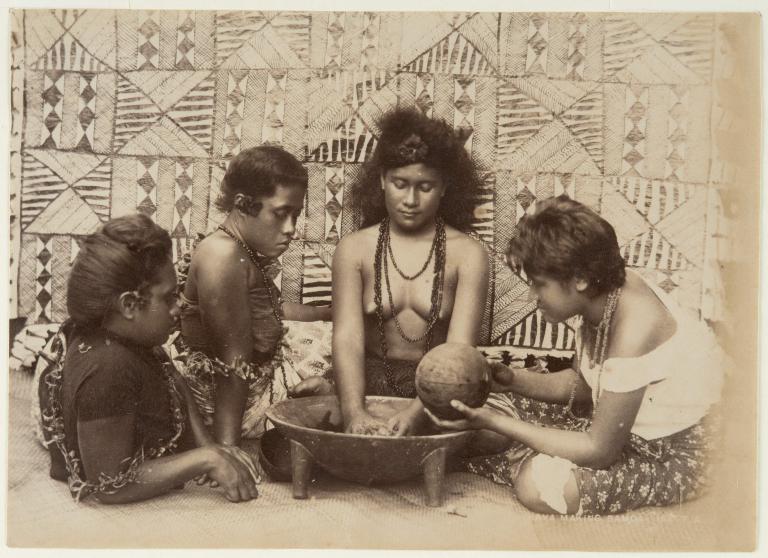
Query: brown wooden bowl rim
[{"x": 277, "y": 421}]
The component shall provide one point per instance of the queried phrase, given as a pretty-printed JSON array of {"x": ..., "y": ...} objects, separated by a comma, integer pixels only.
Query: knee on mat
[{"x": 547, "y": 485}]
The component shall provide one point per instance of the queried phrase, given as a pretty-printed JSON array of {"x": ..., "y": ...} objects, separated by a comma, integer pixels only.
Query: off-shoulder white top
[{"x": 683, "y": 375}]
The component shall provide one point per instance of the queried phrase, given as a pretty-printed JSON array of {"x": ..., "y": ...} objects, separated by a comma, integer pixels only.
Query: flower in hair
[
  {"x": 247, "y": 204},
  {"x": 413, "y": 149}
]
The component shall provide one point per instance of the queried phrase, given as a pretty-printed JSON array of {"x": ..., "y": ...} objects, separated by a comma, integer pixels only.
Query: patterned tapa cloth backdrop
[{"x": 130, "y": 111}]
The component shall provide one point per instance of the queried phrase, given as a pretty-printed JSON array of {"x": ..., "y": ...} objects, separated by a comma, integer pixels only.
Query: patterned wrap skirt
[
  {"x": 659, "y": 472},
  {"x": 305, "y": 351}
]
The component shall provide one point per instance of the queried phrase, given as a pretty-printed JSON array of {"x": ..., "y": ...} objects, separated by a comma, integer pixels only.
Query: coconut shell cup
[
  {"x": 452, "y": 371},
  {"x": 437, "y": 397}
]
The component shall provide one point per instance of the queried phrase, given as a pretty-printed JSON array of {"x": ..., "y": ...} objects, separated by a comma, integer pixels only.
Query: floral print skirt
[{"x": 659, "y": 472}]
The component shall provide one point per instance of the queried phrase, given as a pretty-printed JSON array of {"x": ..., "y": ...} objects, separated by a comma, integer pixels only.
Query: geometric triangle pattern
[
  {"x": 334, "y": 196},
  {"x": 141, "y": 110},
  {"x": 43, "y": 279},
  {"x": 67, "y": 214},
  {"x": 535, "y": 332},
  {"x": 454, "y": 54},
  {"x": 165, "y": 88},
  {"x": 134, "y": 112},
  {"x": 39, "y": 187},
  {"x": 163, "y": 139},
  {"x": 94, "y": 188},
  {"x": 316, "y": 279},
  {"x": 233, "y": 29},
  {"x": 69, "y": 54},
  {"x": 194, "y": 111},
  {"x": 691, "y": 44}
]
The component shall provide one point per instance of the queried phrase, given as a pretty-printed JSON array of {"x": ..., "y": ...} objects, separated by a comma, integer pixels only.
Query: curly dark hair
[
  {"x": 565, "y": 239},
  {"x": 256, "y": 172},
  {"x": 124, "y": 255},
  {"x": 408, "y": 136}
]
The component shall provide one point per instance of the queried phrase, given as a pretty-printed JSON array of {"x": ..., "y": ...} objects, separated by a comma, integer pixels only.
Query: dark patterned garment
[
  {"x": 403, "y": 377},
  {"x": 94, "y": 375},
  {"x": 660, "y": 472}
]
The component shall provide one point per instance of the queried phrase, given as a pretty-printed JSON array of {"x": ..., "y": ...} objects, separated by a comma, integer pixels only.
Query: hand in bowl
[
  {"x": 407, "y": 421},
  {"x": 367, "y": 425}
]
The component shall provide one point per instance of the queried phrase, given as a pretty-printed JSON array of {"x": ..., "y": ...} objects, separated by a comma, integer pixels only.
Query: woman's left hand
[
  {"x": 314, "y": 385},
  {"x": 474, "y": 419},
  {"x": 406, "y": 422}
]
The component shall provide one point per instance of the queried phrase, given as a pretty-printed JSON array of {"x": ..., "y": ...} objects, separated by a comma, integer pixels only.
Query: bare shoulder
[
  {"x": 643, "y": 322},
  {"x": 470, "y": 249},
  {"x": 218, "y": 257},
  {"x": 358, "y": 243},
  {"x": 216, "y": 249}
]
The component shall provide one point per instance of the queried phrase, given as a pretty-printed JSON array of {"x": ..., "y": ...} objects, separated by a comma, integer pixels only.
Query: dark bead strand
[
  {"x": 435, "y": 240},
  {"x": 275, "y": 301},
  {"x": 380, "y": 268}
]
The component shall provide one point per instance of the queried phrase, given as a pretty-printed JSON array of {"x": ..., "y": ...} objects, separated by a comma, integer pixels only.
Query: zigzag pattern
[{"x": 141, "y": 111}]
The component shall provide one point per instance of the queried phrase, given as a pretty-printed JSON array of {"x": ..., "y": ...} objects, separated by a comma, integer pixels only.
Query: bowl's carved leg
[
  {"x": 301, "y": 463},
  {"x": 434, "y": 474}
]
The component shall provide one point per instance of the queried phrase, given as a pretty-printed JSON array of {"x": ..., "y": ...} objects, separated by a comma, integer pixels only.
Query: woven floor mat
[{"x": 477, "y": 514}]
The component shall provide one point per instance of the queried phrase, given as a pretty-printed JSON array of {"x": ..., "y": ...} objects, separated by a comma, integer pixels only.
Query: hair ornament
[
  {"x": 247, "y": 204},
  {"x": 413, "y": 149}
]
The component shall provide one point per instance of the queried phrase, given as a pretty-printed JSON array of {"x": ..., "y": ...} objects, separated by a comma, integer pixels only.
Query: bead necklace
[
  {"x": 275, "y": 301},
  {"x": 437, "y": 294},
  {"x": 381, "y": 268},
  {"x": 600, "y": 346},
  {"x": 435, "y": 240}
]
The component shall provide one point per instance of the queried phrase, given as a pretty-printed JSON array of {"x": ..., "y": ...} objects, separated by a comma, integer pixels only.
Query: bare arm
[
  {"x": 348, "y": 328},
  {"x": 222, "y": 286},
  {"x": 106, "y": 443},
  {"x": 598, "y": 447},
  {"x": 555, "y": 387},
  {"x": 306, "y": 313},
  {"x": 199, "y": 431},
  {"x": 471, "y": 293}
]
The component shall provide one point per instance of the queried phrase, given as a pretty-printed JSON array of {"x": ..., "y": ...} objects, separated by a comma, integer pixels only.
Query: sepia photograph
[{"x": 333, "y": 278}]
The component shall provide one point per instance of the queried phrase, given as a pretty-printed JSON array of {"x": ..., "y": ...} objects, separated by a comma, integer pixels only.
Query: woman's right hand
[
  {"x": 235, "y": 472},
  {"x": 363, "y": 423}
]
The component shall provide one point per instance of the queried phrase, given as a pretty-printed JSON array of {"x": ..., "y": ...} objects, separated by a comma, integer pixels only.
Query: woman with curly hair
[
  {"x": 410, "y": 278},
  {"x": 650, "y": 371}
]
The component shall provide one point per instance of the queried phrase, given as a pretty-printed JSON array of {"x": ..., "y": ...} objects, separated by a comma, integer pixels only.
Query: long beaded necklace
[
  {"x": 435, "y": 240},
  {"x": 274, "y": 300},
  {"x": 600, "y": 346},
  {"x": 436, "y": 299},
  {"x": 381, "y": 268}
]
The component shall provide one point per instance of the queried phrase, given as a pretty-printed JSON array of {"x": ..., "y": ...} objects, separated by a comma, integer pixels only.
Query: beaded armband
[{"x": 248, "y": 371}]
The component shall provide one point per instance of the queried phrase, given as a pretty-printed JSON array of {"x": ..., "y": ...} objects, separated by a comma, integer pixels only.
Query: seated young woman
[
  {"x": 410, "y": 278},
  {"x": 119, "y": 422},
  {"x": 232, "y": 313},
  {"x": 651, "y": 372}
]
